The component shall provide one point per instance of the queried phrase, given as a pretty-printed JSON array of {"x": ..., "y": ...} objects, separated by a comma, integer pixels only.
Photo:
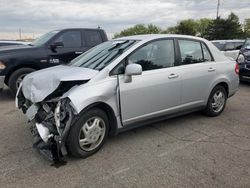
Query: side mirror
[
  {"x": 130, "y": 70},
  {"x": 56, "y": 45}
]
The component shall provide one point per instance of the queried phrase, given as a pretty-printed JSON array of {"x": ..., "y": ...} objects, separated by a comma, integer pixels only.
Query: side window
[
  {"x": 206, "y": 53},
  {"x": 70, "y": 39},
  {"x": 119, "y": 69},
  {"x": 92, "y": 38},
  {"x": 229, "y": 46},
  {"x": 191, "y": 52},
  {"x": 238, "y": 45},
  {"x": 155, "y": 55}
]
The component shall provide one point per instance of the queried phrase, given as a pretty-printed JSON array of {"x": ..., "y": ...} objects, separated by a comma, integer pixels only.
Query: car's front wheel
[
  {"x": 89, "y": 133},
  {"x": 17, "y": 77},
  {"x": 216, "y": 102}
]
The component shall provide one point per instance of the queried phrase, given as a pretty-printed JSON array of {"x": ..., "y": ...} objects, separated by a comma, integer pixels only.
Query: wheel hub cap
[{"x": 92, "y": 133}]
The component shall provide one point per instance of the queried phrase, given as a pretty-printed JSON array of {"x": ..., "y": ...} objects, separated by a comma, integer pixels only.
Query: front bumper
[
  {"x": 49, "y": 125},
  {"x": 2, "y": 78}
]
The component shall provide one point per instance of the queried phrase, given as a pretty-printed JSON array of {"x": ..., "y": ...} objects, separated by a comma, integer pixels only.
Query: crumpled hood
[{"x": 38, "y": 85}]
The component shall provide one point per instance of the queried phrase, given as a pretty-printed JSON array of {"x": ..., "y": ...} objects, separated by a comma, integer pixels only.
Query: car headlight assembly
[
  {"x": 2, "y": 65},
  {"x": 241, "y": 59}
]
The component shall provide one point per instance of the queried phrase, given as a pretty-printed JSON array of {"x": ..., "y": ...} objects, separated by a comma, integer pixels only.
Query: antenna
[
  {"x": 20, "y": 34},
  {"x": 218, "y": 7}
]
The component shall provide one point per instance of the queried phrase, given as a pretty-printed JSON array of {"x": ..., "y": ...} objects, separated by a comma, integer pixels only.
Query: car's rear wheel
[
  {"x": 17, "y": 77},
  {"x": 89, "y": 133},
  {"x": 216, "y": 102}
]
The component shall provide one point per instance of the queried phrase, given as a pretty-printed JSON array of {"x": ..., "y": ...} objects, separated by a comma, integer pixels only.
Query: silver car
[{"x": 122, "y": 84}]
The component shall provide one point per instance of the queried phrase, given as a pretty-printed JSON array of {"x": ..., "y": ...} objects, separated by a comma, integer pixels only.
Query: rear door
[
  {"x": 157, "y": 91},
  {"x": 72, "y": 47},
  {"x": 198, "y": 71}
]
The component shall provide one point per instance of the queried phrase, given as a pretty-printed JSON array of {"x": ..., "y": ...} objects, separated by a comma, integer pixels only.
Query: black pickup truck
[
  {"x": 244, "y": 61},
  {"x": 53, "y": 48}
]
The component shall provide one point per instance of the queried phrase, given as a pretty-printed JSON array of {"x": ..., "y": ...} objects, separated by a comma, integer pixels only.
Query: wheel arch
[
  {"x": 109, "y": 112},
  {"x": 11, "y": 71}
]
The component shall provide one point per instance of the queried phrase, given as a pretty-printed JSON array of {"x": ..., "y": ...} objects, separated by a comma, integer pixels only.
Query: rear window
[
  {"x": 92, "y": 38},
  {"x": 219, "y": 45}
]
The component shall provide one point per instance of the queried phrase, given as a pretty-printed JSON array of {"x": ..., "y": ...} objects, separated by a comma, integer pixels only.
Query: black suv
[
  {"x": 244, "y": 61},
  {"x": 53, "y": 48}
]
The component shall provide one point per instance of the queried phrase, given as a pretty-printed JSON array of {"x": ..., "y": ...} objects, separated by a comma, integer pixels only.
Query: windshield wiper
[{"x": 105, "y": 61}]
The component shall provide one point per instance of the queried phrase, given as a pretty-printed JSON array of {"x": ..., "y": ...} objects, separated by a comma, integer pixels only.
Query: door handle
[
  {"x": 211, "y": 69},
  {"x": 171, "y": 76},
  {"x": 78, "y": 52}
]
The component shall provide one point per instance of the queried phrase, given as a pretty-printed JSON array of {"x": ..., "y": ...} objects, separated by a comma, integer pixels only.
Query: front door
[
  {"x": 72, "y": 47},
  {"x": 157, "y": 91}
]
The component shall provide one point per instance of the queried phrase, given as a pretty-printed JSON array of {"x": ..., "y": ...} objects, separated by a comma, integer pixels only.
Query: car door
[
  {"x": 197, "y": 70},
  {"x": 72, "y": 47},
  {"x": 157, "y": 91}
]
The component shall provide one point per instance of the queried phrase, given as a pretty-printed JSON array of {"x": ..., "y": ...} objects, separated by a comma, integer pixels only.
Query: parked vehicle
[
  {"x": 244, "y": 61},
  {"x": 230, "y": 48},
  {"x": 12, "y": 42},
  {"x": 53, "y": 48},
  {"x": 122, "y": 84}
]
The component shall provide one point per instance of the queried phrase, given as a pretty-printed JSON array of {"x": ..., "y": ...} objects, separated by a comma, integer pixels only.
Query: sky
[{"x": 35, "y": 17}]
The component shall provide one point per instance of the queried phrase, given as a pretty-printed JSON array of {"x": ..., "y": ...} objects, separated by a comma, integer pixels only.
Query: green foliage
[
  {"x": 187, "y": 27},
  {"x": 246, "y": 28},
  {"x": 202, "y": 25},
  {"x": 220, "y": 28},
  {"x": 212, "y": 29},
  {"x": 139, "y": 29}
]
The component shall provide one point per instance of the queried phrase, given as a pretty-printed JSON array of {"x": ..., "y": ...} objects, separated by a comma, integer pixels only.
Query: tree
[
  {"x": 246, "y": 28},
  {"x": 229, "y": 28},
  {"x": 202, "y": 25},
  {"x": 187, "y": 27},
  {"x": 138, "y": 30}
]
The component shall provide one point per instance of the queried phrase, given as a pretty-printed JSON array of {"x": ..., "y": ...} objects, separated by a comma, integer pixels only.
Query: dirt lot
[{"x": 189, "y": 151}]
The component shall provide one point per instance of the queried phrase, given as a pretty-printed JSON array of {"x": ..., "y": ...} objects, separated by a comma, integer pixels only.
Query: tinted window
[
  {"x": 229, "y": 46},
  {"x": 219, "y": 45},
  {"x": 191, "y": 52},
  {"x": 207, "y": 55},
  {"x": 156, "y": 55},
  {"x": 92, "y": 38},
  {"x": 70, "y": 39},
  {"x": 238, "y": 45}
]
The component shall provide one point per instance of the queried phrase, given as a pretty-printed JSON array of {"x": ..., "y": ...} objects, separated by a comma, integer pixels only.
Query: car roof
[
  {"x": 224, "y": 41},
  {"x": 157, "y": 36}
]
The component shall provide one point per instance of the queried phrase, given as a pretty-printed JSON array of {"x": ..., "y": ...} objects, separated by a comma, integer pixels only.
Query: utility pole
[{"x": 218, "y": 7}]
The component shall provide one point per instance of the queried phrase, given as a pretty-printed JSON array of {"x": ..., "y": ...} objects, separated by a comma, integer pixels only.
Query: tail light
[{"x": 236, "y": 69}]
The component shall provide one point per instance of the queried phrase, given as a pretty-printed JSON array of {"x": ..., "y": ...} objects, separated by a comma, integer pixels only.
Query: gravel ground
[{"x": 188, "y": 151}]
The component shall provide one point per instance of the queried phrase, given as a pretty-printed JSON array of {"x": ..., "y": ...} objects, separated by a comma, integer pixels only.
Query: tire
[
  {"x": 14, "y": 78},
  {"x": 211, "y": 109},
  {"x": 77, "y": 133}
]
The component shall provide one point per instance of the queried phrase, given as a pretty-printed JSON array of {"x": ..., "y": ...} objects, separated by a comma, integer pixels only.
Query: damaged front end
[{"x": 51, "y": 120}]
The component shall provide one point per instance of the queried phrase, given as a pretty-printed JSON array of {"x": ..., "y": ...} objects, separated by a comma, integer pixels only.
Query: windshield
[
  {"x": 100, "y": 56},
  {"x": 247, "y": 44},
  {"x": 44, "y": 38}
]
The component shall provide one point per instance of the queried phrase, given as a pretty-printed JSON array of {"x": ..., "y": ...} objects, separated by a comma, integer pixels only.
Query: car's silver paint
[{"x": 155, "y": 92}]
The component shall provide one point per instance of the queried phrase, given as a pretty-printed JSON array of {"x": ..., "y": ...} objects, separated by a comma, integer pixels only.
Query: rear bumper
[{"x": 2, "y": 78}]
